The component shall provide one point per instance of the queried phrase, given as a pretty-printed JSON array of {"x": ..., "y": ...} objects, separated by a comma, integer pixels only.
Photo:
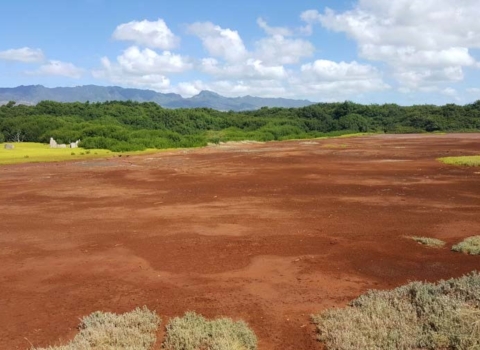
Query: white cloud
[
  {"x": 220, "y": 42},
  {"x": 24, "y": 54},
  {"x": 150, "y": 34},
  {"x": 410, "y": 56},
  {"x": 143, "y": 68},
  {"x": 283, "y": 31},
  {"x": 280, "y": 50},
  {"x": 116, "y": 74},
  {"x": 325, "y": 70},
  {"x": 139, "y": 62},
  {"x": 423, "y": 41},
  {"x": 58, "y": 68},
  {"x": 474, "y": 91},
  {"x": 416, "y": 79},
  {"x": 250, "y": 69},
  {"x": 334, "y": 80}
]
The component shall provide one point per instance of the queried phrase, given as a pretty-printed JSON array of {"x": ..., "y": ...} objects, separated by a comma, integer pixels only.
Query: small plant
[
  {"x": 465, "y": 161},
  {"x": 468, "y": 246},
  {"x": 26, "y": 156},
  {"x": 88, "y": 152},
  {"x": 73, "y": 153},
  {"x": 429, "y": 242},
  {"x": 109, "y": 331},
  {"x": 82, "y": 154},
  {"x": 193, "y": 332}
]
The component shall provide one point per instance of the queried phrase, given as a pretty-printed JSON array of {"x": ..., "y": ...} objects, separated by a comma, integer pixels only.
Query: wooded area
[{"x": 128, "y": 126}]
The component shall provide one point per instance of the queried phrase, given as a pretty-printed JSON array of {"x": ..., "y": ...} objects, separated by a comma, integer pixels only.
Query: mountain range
[{"x": 33, "y": 94}]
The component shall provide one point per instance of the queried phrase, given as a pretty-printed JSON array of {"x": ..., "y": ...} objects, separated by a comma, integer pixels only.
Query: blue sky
[{"x": 369, "y": 51}]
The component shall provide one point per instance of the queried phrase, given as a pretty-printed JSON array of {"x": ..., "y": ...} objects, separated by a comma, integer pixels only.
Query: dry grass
[
  {"x": 194, "y": 332},
  {"x": 429, "y": 242},
  {"x": 468, "y": 246},
  {"x": 465, "y": 161},
  {"x": 107, "y": 331},
  {"x": 415, "y": 316}
]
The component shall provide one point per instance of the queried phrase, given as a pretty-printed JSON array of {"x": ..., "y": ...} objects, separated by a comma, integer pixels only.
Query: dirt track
[{"x": 269, "y": 233}]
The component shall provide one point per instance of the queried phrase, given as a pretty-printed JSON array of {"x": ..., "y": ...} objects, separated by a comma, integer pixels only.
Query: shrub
[
  {"x": 468, "y": 246},
  {"x": 108, "y": 331},
  {"x": 419, "y": 315},
  {"x": 193, "y": 332},
  {"x": 429, "y": 242}
]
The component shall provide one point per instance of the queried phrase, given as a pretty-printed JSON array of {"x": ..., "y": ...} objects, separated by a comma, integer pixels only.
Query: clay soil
[{"x": 269, "y": 233}]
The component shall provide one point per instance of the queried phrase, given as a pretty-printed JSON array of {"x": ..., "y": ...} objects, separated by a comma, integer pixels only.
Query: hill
[{"x": 32, "y": 94}]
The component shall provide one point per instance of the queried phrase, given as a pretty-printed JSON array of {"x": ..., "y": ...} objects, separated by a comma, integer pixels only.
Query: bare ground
[{"x": 268, "y": 233}]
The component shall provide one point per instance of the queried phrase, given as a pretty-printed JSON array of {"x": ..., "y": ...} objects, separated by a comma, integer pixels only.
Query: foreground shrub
[
  {"x": 108, "y": 331},
  {"x": 468, "y": 246},
  {"x": 416, "y": 316},
  {"x": 194, "y": 332},
  {"x": 429, "y": 242}
]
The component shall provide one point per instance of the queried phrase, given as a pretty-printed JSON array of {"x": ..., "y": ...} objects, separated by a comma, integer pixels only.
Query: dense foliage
[{"x": 122, "y": 126}]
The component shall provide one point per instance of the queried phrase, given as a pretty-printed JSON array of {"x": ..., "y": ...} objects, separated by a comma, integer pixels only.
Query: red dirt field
[{"x": 269, "y": 233}]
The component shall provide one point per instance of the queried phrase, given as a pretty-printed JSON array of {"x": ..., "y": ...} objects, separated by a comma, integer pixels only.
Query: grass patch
[
  {"x": 462, "y": 161},
  {"x": 468, "y": 246},
  {"x": 419, "y": 315},
  {"x": 429, "y": 242},
  {"x": 194, "y": 332},
  {"x": 31, "y": 152},
  {"x": 108, "y": 331},
  {"x": 333, "y": 145}
]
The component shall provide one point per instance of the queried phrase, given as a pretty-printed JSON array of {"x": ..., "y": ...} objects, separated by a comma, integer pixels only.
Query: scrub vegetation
[
  {"x": 419, "y": 315},
  {"x": 429, "y": 242},
  {"x": 137, "y": 330},
  {"x": 468, "y": 246},
  {"x": 109, "y": 331}
]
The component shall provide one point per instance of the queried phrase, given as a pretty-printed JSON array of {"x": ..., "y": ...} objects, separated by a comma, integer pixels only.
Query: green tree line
[{"x": 127, "y": 126}]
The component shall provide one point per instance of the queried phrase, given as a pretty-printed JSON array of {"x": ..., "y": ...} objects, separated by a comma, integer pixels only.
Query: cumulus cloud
[
  {"x": 146, "y": 33},
  {"x": 59, "y": 68},
  {"x": 24, "y": 54},
  {"x": 283, "y": 31},
  {"x": 423, "y": 41},
  {"x": 334, "y": 79},
  {"x": 231, "y": 69},
  {"x": 280, "y": 50},
  {"x": 137, "y": 61},
  {"x": 250, "y": 69},
  {"x": 143, "y": 68},
  {"x": 220, "y": 42},
  {"x": 325, "y": 70}
]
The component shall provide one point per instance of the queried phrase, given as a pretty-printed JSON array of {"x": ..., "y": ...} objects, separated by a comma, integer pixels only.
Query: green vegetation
[
  {"x": 133, "y": 126},
  {"x": 416, "y": 316},
  {"x": 468, "y": 246},
  {"x": 466, "y": 160},
  {"x": 108, "y": 331},
  {"x": 35, "y": 152},
  {"x": 429, "y": 242},
  {"x": 193, "y": 332}
]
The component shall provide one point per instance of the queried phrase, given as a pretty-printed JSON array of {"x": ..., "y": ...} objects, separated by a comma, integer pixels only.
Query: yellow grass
[
  {"x": 466, "y": 160},
  {"x": 30, "y": 152}
]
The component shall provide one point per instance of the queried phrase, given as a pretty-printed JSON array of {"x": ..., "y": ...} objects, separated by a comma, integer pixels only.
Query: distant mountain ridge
[{"x": 32, "y": 94}]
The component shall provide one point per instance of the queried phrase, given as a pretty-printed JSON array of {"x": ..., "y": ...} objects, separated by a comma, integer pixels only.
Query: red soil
[{"x": 269, "y": 233}]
